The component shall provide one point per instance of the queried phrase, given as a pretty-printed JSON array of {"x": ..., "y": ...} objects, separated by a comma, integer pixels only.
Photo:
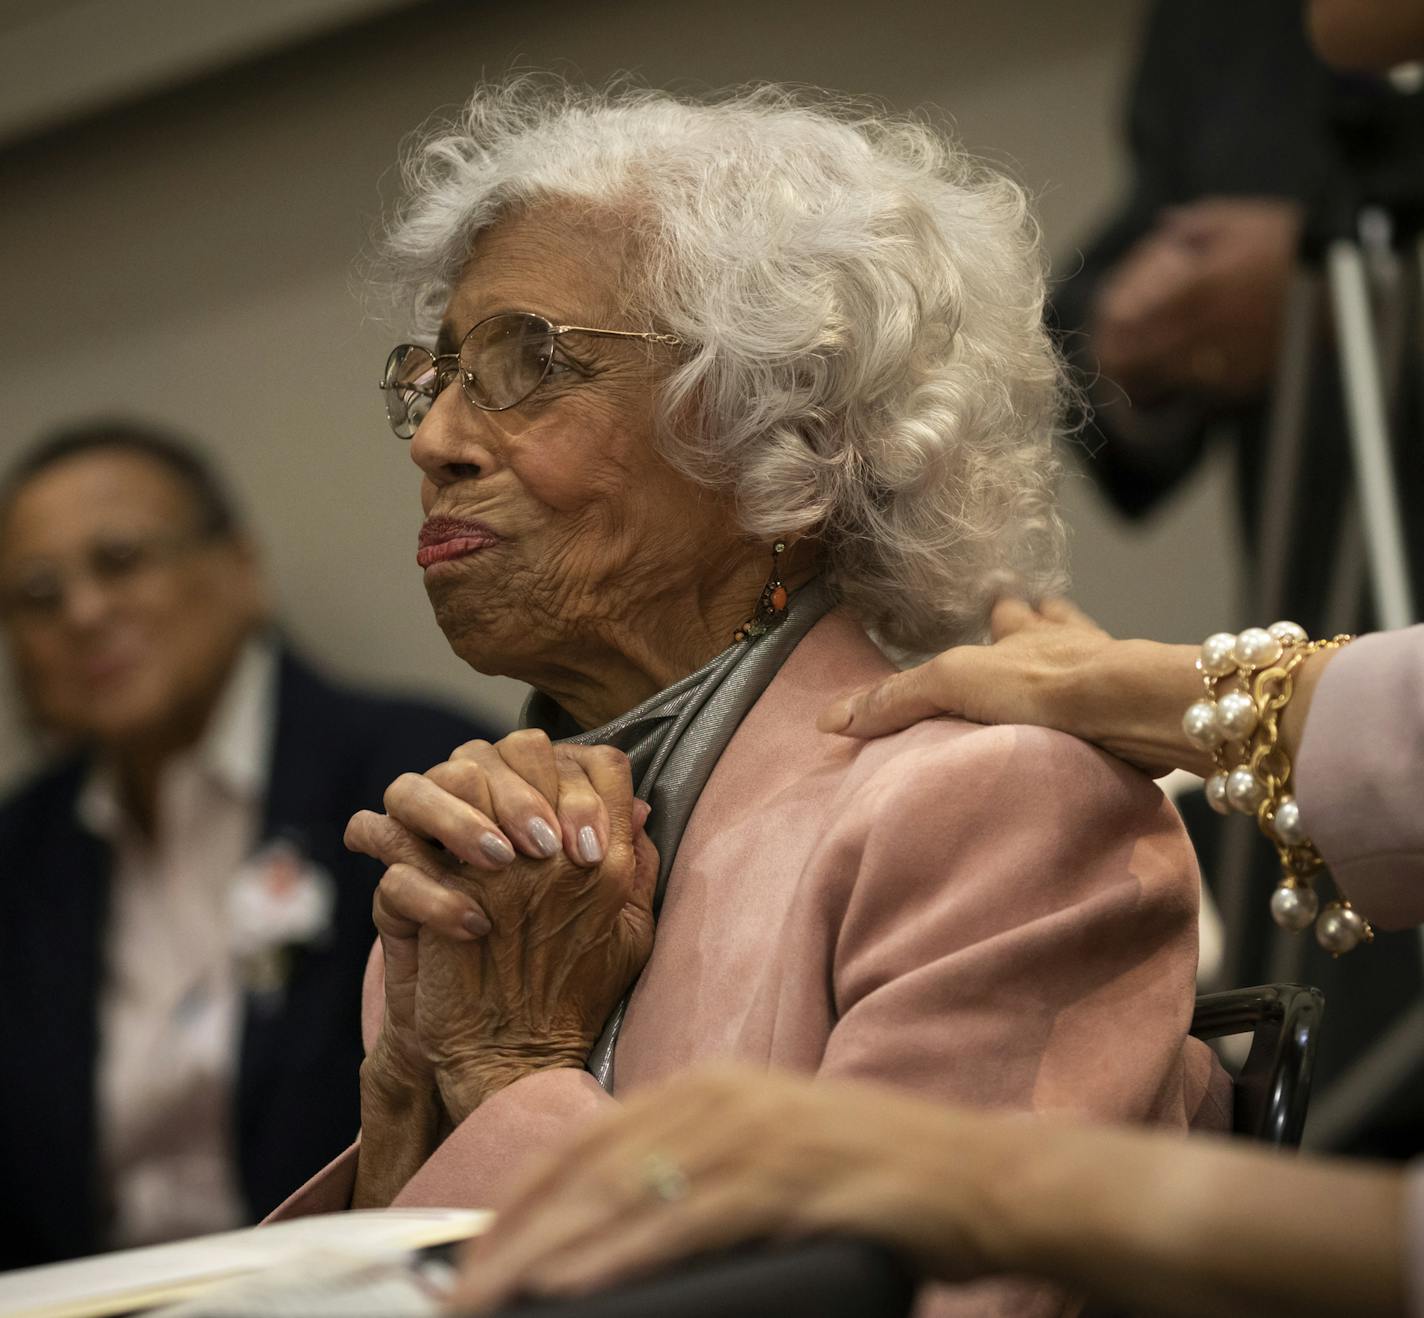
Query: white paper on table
[
  {"x": 326, "y": 1286},
  {"x": 138, "y": 1278}
]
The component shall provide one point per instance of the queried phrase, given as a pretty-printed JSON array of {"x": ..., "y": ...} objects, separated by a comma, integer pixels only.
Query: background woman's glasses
[{"x": 113, "y": 563}]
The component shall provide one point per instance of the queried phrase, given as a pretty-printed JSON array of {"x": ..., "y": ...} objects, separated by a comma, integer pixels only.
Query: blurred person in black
[
  {"x": 183, "y": 934},
  {"x": 1173, "y": 323},
  {"x": 1174, "y": 315},
  {"x": 1173, "y": 320}
]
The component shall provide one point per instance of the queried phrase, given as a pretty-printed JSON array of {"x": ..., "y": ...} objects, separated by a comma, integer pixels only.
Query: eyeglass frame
[
  {"x": 444, "y": 373},
  {"x": 156, "y": 549}
]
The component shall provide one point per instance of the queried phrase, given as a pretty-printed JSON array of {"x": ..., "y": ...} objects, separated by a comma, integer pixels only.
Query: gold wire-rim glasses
[{"x": 413, "y": 372}]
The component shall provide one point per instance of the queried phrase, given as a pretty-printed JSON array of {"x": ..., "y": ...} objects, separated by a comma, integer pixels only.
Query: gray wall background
[{"x": 188, "y": 255}]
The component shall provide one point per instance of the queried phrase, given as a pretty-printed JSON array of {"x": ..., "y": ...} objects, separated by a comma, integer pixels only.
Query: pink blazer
[
  {"x": 1360, "y": 774},
  {"x": 1360, "y": 783},
  {"x": 994, "y": 916}
]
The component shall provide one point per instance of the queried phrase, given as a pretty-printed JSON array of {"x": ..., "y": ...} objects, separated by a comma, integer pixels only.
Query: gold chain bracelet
[{"x": 1241, "y": 730}]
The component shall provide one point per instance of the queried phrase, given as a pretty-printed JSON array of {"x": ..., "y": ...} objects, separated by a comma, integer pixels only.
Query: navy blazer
[{"x": 297, "y": 1102}]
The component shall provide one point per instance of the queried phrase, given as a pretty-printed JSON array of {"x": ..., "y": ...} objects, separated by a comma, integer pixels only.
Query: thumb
[{"x": 897, "y": 702}]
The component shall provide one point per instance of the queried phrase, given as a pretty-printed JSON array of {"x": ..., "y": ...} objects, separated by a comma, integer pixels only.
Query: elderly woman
[{"x": 717, "y": 394}]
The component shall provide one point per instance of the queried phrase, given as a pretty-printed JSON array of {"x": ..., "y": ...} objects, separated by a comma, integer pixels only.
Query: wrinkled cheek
[{"x": 588, "y": 560}]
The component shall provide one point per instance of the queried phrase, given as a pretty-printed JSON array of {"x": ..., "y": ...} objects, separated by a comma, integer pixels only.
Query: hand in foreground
[
  {"x": 721, "y": 1157},
  {"x": 491, "y": 975},
  {"x": 1132, "y": 1217}
]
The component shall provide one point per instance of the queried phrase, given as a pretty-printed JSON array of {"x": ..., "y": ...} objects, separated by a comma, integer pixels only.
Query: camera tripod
[{"x": 1355, "y": 315}]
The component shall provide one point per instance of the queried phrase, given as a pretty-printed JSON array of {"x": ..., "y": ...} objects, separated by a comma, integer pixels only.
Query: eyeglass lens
[
  {"x": 502, "y": 360},
  {"x": 409, "y": 386},
  {"x": 505, "y": 357},
  {"x": 112, "y": 562}
]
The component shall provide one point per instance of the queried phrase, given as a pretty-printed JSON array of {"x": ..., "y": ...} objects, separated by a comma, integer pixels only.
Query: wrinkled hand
[
  {"x": 495, "y": 970},
  {"x": 1197, "y": 305},
  {"x": 522, "y": 795},
  {"x": 1053, "y": 667},
  {"x": 720, "y": 1157}
]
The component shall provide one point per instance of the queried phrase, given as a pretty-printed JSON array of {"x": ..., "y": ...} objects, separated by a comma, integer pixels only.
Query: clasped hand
[{"x": 515, "y": 911}]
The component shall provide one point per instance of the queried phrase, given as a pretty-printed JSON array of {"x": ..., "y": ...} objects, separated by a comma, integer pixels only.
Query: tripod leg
[
  {"x": 1280, "y": 523},
  {"x": 1285, "y": 443},
  {"x": 1369, "y": 435}
]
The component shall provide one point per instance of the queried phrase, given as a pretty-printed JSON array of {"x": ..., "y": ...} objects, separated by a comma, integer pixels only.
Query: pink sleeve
[
  {"x": 481, "y": 1157},
  {"x": 1360, "y": 774},
  {"x": 1030, "y": 944},
  {"x": 484, "y": 1156}
]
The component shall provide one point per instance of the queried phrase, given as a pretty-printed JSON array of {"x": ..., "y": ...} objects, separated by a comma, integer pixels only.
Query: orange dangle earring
[{"x": 771, "y": 605}]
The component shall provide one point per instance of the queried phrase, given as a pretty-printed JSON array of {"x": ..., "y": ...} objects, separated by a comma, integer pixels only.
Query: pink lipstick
[{"x": 443, "y": 539}]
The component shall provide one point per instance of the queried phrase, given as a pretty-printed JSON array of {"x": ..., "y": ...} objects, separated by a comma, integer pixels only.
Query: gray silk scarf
[{"x": 675, "y": 738}]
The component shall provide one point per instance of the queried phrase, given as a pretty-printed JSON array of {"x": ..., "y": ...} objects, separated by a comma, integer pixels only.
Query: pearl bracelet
[{"x": 1240, "y": 729}]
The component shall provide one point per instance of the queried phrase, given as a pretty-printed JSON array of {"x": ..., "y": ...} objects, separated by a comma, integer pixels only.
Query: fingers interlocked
[{"x": 474, "y": 814}]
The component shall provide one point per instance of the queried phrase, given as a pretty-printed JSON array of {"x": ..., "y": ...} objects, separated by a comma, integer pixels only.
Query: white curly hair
[{"x": 862, "y": 304}]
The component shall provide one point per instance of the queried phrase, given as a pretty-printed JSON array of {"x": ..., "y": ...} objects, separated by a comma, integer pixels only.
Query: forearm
[
  {"x": 400, "y": 1127},
  {"x": 1134, "y": 697},
  {"x": 1186, "y": 1228}
]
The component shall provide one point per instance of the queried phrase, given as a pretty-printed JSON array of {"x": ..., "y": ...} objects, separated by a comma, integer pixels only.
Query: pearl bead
[
  {"x": 1293, "y": 906},
  {"x": 1216, "y": 660},
  {"x": 1255, "y": 648},
  {"x": 1237, "y": 715},
  {"x": 1244, "y": 790},
  {"x": 1340, "y": 929},
  {"x": 1216, "y": 794},
  {"x": 1287, "y": 822},
  {"x": 1288, "y": 633},
  {"x": 1201, "y": 725}
]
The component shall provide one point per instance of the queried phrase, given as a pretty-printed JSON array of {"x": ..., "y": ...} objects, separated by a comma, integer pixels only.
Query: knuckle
[
  {"x": 472, "y": 749},
  {"x": 402, "y": 789},
  {"x": 525, "y": 740},
  {"x": 463, "y": 777},
  {"x": 569, "y": 758},
  {"x": 607, "y": 757},
  {"x": 392, "y": 887}
]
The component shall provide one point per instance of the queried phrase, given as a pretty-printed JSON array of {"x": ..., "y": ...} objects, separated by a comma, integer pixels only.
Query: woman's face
[
  {"x": 555, "y": 529},
  {"x": 139, "y": 617}
]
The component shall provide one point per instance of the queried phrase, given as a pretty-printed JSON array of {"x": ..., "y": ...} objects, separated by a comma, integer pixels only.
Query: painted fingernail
[
  {"x": 544, "y": 839},
  {"x": 641, "y": 811},
  {"x": 590, "y": 849},
  {"x": 477, "y": 923},
  {"x": 496, "y": 849}
]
